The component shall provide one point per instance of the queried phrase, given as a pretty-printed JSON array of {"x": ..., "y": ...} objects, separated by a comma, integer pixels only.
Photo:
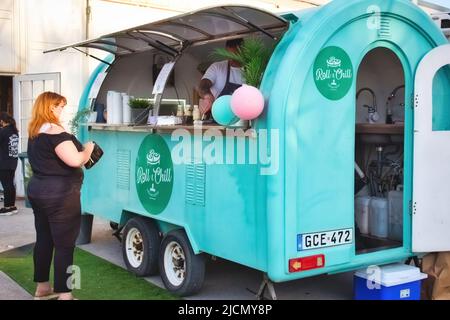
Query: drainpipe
[{"x": 87, "y": 18}]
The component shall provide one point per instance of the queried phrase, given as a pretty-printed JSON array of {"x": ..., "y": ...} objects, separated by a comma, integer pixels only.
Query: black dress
[{"x": 54, "y": 194}]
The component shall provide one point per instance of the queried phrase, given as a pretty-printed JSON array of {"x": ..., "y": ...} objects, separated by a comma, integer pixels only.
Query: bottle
[
  {"x": 188, "y": 110},
  {"x": 389, "y": 116},
  {"x": 180, "y": 111},
  {"x": 196, "y": 113},
  {"x": 362, "y": 209},
  {"x": 378, "y": 217}
]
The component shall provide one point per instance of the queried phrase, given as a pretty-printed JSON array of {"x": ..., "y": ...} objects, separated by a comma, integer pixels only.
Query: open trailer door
[
  {"x": 26, "y": 89},
  {"x": 431, "y": 179}
]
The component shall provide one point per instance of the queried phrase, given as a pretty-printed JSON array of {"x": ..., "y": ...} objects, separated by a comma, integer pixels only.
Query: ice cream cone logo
[
  {"x": 153, "y": 158},
  {"x": 333, "y": 62}
]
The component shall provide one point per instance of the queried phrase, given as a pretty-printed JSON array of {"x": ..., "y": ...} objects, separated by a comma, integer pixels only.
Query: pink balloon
[{"x": 247, "y": 102}]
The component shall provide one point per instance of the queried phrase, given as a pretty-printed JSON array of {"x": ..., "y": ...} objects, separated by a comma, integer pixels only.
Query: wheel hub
[
  {"x": 135, "y": 247},
  {"x": 175, "y": 263}
]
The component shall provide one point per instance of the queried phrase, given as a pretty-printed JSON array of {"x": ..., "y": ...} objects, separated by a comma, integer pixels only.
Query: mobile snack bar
[{"x": 346, "y": 167}]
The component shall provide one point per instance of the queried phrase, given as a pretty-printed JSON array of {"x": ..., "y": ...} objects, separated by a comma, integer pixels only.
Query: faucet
[
  {"x": 388, "y": 103},
  {"x": 373, "y": 116}
]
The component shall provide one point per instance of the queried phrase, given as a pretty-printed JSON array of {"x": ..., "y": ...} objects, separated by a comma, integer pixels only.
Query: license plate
[{"x": 308, "y": 241}]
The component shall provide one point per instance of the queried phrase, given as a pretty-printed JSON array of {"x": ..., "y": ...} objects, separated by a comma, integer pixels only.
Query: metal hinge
[{"x": 413, "y": 207}]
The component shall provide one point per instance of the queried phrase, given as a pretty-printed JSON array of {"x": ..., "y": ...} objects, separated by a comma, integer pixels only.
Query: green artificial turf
[{"x": 100, "y": 279}]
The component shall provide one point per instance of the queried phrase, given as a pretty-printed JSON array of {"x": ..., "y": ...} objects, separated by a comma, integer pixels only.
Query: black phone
[{"x": 96, "y": 154}]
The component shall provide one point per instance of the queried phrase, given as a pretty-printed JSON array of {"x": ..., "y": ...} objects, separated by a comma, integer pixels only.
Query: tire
[
  {"x": 187, "y": 278},
  {"x": 140, "y": 246}
]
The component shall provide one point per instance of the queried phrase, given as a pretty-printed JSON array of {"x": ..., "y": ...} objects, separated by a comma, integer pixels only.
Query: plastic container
[
  {"x": 395, "y": 204},
  {"x": 126, "y": 109},
  {"x": 390, "y": 282},
  {"x": 26, "y": 173},
  {"x": 362, "y": 208},
  {"x": 378, "y": 217}
]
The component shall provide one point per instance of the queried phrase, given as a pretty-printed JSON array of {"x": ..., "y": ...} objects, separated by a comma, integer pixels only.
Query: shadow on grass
[{"x": 100, "y": 279}]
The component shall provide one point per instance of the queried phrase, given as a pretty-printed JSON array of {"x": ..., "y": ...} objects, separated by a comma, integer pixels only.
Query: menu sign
[{"x": 160, "y": 83}]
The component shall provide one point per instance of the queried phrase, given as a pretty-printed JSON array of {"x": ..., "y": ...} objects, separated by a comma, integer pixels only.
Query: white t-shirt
[{"x": 217, "y": 74}]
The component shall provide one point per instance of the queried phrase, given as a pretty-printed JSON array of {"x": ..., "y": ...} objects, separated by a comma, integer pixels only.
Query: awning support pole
[
  {"x": 90, "y": 55},
  {"x": 250, "y": 24}
]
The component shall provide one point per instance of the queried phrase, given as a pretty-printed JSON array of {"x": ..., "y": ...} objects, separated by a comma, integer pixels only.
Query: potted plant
[
  {"x": 253, "y": 55},
  {"x": 138, "y": 107},
  {"x": 247, "y": 102},
  {"x": 80, "y": 117}
]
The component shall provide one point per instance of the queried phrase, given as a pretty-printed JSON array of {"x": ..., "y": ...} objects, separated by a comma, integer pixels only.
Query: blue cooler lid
[{"x": 392, "y": 274}]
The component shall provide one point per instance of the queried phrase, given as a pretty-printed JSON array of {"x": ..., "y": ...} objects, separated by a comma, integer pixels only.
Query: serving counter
[{"x": 195, "y": 129}]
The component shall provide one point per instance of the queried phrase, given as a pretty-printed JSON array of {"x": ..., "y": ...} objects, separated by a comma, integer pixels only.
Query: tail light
[{"x": 307, "y": 263}]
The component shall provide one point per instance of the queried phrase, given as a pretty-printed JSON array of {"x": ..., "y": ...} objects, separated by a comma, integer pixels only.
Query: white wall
[
  {"x": 45, "y": 24},
  {"x": 133, "y": 75},
  {"x": 380, "y": 71},
  {"x": 108, "y": 17},
  {"x": 40, "y": 25},
  {"x": 9, "y": 37},
  {"x": 191, "y": 5}
]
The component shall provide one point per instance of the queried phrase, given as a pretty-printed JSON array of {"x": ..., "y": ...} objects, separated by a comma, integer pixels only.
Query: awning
[{"x": 172, "y": 35}]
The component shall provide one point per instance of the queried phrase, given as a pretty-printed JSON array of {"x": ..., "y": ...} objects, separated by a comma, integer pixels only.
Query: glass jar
[
  {"x": 196, "y": 113},
  {"x": 188, "y": 110},
  {"x": 180, "y": 111}
]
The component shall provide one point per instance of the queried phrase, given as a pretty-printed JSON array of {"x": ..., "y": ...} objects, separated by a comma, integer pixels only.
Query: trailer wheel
[
  {"x": 181, "y": 270},
  {"x": 140, "y": 246}
]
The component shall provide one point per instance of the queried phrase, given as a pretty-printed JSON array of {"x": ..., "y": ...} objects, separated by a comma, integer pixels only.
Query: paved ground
[
  {"x": 17, "y": 230},
  {"x": 11, "y": 290},
  {"x": 224, "y": 280}
]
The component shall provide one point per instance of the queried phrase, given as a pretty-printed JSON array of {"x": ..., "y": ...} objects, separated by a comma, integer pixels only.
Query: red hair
[{"x": 42, "y": 112}]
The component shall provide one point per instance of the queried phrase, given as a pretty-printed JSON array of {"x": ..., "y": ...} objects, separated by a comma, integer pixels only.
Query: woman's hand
[
  {"x": 69, "y": 154},
  {"x": 89, "y": 147}
]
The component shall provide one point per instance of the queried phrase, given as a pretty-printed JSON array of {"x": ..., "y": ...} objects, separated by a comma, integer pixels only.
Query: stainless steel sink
[{"x": 380, "y": 133}]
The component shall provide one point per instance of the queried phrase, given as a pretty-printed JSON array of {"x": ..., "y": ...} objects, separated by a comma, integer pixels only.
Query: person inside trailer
[{"x": 221, "y": 78}]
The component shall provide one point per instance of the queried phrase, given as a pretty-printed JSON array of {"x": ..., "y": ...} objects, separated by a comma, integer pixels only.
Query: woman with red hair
[{"x": 56, "y": 158}]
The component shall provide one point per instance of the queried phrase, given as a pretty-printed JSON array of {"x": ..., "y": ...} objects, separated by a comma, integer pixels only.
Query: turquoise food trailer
[{"x": 345, "y": 168}]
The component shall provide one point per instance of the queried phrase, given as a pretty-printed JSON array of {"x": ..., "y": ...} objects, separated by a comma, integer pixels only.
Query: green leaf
[
  {"x": 139, "y": 103},
  {"x": 80, "y": 117},
  {"x": 253, "y": 56}
]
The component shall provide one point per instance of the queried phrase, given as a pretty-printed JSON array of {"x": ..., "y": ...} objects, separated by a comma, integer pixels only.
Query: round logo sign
[
  {"x": 154, "y": 174},
  {"x": 333, "y": 73}
]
